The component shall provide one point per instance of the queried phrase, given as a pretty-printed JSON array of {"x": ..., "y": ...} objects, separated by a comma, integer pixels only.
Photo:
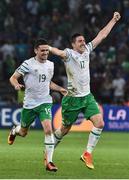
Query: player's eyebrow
[
  {"x": 44, "y": 50},
  {"x": 81, "y": 40}
]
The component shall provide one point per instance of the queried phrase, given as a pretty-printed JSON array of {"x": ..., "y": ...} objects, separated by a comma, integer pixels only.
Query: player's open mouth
[{"x": 82, "y": 46}]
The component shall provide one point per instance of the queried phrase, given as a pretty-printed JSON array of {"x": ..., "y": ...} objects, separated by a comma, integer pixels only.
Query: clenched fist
[{"x": 116, "y": 16}]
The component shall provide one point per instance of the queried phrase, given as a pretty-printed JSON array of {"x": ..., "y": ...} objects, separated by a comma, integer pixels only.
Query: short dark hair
[
  {"x": 40, "y": 41},
  {"x": 74, "y": 36}
]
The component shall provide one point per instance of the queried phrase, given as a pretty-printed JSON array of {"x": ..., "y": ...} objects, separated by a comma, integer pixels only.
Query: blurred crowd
[{"x": 21, "y": 22}]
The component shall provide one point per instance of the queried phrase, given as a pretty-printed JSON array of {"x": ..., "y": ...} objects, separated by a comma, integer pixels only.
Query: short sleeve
[
  {"x": 23, "y": 68},
  {"x": 68, "y": 54},
  {"x": 89, "y": 46}
]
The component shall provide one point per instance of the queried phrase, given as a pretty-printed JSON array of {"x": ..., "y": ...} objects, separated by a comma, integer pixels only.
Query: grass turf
[{"x": 24, "y": 159}]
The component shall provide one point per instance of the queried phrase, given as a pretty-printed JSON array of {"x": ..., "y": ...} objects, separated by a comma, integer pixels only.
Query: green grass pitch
[{"x": 24, "y": 159}]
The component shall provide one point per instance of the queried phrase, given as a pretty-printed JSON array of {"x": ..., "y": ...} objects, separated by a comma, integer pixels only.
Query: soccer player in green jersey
[
  {"x": 79, "y": 98},
  {"x": 37, "y": 73}
]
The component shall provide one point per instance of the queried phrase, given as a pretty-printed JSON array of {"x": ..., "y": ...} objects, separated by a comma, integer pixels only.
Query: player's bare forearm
[
  {"x": 55, "y": 87},
  {"x": 106, "y": 30},
  {"x": 14, "y": 81},
  {"x": 57, "y": 52}
]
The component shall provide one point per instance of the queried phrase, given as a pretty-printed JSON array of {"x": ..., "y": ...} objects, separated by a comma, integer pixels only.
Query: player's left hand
[
  {"x": 116, "y": 16},
  {"x": 63, "y": 91}
]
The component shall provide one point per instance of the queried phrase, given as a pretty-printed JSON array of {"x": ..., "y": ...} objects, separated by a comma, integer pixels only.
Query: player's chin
[
  {"x": 44, "y": 57},
  {"x": 82, "y": 50}
]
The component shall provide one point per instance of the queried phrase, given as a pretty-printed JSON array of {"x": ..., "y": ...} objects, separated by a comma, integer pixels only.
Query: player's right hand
[
  {"x": 116, "y": 16},
  {"x": 63, "y": 91},
  {"x": 18, "y": 87}
]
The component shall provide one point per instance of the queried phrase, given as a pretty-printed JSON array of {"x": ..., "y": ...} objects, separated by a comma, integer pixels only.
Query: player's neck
[
  {"x": 80, "y": 52},
  {"x": 40, "y": 60}
]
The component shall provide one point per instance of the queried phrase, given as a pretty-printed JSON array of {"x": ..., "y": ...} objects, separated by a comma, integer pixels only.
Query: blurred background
[{"x": 24, "y": 21}]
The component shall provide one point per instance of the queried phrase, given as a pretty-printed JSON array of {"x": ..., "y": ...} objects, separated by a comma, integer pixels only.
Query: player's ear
[
  {"x": 35, "y": 50},
  {"x": 73, "y": 45}
]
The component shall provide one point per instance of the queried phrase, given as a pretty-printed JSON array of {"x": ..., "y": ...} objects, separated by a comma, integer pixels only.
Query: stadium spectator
[
  {"x": 8, "y": 49},
  {"x": 22, "y": 50},
  {"x": 79, "y": 98},
  {"x": 118, "y": 84},
  {"x": 37, "y": 73},
  {"x": 107, "y": 90},
  {"x": 9, "y": 66},
  {"x": 33, "y": 7}
]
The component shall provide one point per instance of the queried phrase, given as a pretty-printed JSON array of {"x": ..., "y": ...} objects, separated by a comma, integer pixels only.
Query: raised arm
[
  {"x": 14, "y": 81},
  {"x": 60, "y": 89},
  {"x": 106, "y": 30},
  {"x": 58, "y": 52}
]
